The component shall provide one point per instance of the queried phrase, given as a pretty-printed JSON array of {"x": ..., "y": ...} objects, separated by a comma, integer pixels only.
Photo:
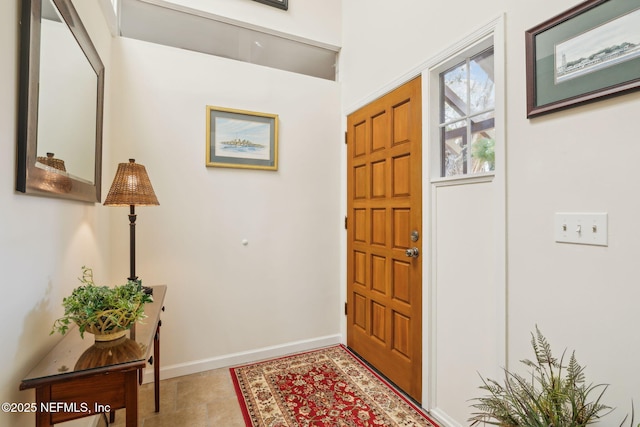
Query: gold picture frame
[{"x": 241, "y": 139}]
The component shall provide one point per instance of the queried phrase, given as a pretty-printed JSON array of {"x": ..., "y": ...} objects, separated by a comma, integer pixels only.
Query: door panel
[{"x": 384, "y": 191}]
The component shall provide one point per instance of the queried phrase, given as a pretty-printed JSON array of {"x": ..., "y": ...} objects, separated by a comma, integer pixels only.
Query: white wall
[
  {"x": 317, "y": 20},
  {"x": 225, "y": 298},
  {"x": 582, "y": 297},
  {"x": 43, "y": 241}
]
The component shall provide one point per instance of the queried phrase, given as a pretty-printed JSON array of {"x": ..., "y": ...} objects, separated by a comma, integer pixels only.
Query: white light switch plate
[{"x": 582, "y": 228}]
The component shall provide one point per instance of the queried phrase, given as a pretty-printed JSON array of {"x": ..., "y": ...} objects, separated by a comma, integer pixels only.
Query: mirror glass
[
  {"x": 62, "y": 83},
  {"x": 66, "y": 99}
]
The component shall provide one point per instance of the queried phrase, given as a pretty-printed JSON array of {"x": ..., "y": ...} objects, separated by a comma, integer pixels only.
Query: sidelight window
[{"x": 467, "y": 116}]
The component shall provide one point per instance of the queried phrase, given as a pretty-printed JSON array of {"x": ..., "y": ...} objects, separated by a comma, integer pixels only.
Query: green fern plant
[{"x": 552, "y": 395}]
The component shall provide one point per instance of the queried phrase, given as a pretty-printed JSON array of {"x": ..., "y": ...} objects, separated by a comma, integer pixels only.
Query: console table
[{"x": 80, "y": 377}]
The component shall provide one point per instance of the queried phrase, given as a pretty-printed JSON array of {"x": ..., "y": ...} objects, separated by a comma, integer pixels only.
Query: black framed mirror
[{"x": 59, "y": 147}]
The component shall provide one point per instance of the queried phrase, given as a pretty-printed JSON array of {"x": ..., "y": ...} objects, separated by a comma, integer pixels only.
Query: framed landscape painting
[
  {"x": 587, "y": 53},
  {"x": 241, "y": 139}
]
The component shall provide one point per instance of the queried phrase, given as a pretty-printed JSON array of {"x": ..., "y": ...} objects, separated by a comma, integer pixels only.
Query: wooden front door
[{"x": 384, "y": 220}]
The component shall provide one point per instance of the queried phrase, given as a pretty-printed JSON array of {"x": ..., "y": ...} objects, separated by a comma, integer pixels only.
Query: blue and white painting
[
  {"x": 609, "y": 44},
  {"x": 242, "y": 139}
]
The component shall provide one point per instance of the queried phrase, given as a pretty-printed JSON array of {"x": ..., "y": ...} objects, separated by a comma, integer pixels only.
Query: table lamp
[{"x": 131, "y": 186}]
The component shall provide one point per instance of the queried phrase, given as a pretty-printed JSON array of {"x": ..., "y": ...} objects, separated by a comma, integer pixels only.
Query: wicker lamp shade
[
  {"x": 53, "y": 176},
  {"x": 131, "y": 186},
  {"x": 51, "y": 161}
]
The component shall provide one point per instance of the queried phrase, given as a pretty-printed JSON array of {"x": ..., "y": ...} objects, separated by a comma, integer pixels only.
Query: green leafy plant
[
  {"x": 553, "y": 395},
  {"x": 101, "y": 309}
]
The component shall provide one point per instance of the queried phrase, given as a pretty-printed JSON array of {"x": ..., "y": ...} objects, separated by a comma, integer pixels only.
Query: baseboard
[
  {"x": 235, "y": 359},
  {"x": 443, "y": 419}
]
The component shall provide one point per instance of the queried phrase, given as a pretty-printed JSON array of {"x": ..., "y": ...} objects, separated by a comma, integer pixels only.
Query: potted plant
[
  {"x": 103, "y": 311},
  {"x": 553, "y": 394}
]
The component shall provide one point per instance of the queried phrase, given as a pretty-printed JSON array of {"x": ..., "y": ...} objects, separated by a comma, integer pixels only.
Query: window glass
[
  {"x": 455, "y": 89},
  {"x": 483, "y": 158},
  {"x": 454, "y": 148},
  {"x": 467, "y": 102},
  {"x": 481, "y": 82}
]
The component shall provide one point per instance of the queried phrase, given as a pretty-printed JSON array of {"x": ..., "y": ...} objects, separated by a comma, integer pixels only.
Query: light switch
[{"x": 581, "y": 228}]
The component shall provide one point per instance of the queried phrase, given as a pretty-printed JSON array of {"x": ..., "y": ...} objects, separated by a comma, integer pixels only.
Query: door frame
[
  {"x": 496, "y": 29},
  {"x": 422, "y": 72}
]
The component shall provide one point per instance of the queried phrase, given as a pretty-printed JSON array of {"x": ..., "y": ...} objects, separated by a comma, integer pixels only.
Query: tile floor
[{"x": 206, "y": 399}]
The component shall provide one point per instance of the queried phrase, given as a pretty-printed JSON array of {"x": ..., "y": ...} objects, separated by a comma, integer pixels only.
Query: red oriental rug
[{"x": 329, "y": 387}]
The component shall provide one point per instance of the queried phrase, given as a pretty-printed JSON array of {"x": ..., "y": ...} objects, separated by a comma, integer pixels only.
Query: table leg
[
  {"x": 43, "y": 394},
  {"x": 156, "y": 367},
  {"x": 131, "y": 397}
]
